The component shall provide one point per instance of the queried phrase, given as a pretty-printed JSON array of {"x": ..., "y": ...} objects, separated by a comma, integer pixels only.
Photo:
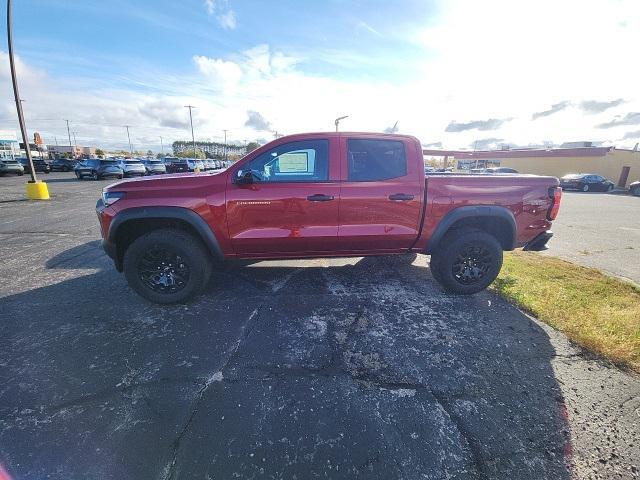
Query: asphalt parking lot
[
  {"x": 601, "y": 231},
  {"x": 350, "y": 368}
]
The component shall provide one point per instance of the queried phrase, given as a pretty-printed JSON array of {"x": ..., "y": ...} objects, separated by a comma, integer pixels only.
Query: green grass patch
[{"x": 596, "y": 311}]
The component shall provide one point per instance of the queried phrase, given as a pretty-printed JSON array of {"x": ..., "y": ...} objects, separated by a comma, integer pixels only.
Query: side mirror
[{"x": 244, "y": 178}]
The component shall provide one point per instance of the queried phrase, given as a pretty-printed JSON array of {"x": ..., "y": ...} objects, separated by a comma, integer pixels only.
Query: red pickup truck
[{"x": 322, "y": 195}]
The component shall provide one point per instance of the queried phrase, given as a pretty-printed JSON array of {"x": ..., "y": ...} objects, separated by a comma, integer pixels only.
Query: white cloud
[
  {"x": 500, "y": 58},
  {"x": 224, "y": 75},
  {"x": 226, "y": 16},
  {"x": 210, "y": 6},
  {"x": 365, "y": 26},
  {"x": 227, "y": 20}
]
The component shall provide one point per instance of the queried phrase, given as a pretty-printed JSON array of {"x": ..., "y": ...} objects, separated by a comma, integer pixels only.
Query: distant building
[
  {"x": 621, "y": 166},
  {"x": 75, "y": 151},
  {"x": 8, "y": 144},
  {"x": 37, "y": 150},
  {"x": 211, "y": 149}
]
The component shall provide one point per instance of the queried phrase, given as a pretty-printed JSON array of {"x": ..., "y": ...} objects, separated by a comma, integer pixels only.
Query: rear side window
[{"x": 375, "y": 160}]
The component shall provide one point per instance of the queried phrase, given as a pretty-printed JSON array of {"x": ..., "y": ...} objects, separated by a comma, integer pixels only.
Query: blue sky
[
  {"x": 162, "y": 35},
  {"x": 455, "y": 73}
]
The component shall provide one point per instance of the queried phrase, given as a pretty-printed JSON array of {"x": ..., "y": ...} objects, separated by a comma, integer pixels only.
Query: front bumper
[
  {"x": 539, "y": 242},
  {"x": 110, "y": 248},
  {"x": 110, "y": 173}
]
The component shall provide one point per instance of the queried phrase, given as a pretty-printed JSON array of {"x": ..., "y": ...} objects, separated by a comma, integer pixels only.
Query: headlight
[{"x": 109, "y": 198}]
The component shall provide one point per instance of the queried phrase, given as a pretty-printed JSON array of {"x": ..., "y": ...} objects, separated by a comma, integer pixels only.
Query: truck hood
[{"x": 176, "y": 181}]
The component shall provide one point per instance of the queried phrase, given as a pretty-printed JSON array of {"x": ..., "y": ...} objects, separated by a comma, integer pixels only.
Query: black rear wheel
[
  {"x": 167, "y": 266},
  {"x": 467, "y": 261}
]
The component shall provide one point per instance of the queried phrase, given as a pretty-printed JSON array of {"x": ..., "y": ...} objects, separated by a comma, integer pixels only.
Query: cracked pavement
[{"x": 341, "y": 368}]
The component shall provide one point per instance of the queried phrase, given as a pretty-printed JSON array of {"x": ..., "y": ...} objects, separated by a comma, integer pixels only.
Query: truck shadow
[{"x": 366, "y": 365}]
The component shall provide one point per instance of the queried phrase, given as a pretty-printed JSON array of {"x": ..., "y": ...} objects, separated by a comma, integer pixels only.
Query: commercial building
[
  {"x": 8, "y": 145},
  {"x": 75, "y": 151},
  {"x": 621, "y": 166}
]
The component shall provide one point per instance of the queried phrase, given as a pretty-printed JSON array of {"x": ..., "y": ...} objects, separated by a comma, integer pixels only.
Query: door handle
[
  {"x": 401, "y": 196},
  {"x": 320, "y": 198}
]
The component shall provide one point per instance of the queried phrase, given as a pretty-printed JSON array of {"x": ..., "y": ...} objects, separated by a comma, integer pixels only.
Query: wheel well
[
  {"x": 133, "y": 229},
  {"x": 495, "y": 226}
]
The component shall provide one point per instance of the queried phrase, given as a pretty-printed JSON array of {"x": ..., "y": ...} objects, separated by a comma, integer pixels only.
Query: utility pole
[
  {"x": 161, "y": 146},
  {"x": 56, "y": 139},
  {"x": 225, "y": 144},
  {"x": 16, "y": 94},
  {"x": 75, "y": 142},
  {"x": 337, "y": 121},
  {"x": 129, "y": 138},
  {"x": 73, "y": 154},
  {"x": 193, "y": 138}
]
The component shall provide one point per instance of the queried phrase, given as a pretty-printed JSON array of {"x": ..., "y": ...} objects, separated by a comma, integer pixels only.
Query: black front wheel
[
  {"x": 167, "y": 266},
  {"x": 467, "y": 262}
]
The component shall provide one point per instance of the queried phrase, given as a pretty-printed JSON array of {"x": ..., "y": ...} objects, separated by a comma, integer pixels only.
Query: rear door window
[{"x": 376, "y": 160}]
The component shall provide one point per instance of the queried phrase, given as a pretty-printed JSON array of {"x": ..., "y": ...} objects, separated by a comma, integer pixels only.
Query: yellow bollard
[
  {"x": 37, "y": 190},
  {"x": 196, "y": 170}
]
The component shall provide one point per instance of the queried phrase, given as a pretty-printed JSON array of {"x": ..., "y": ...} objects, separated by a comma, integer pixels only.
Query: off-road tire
[
  {"x": 192, "y": 253},
  {"x": 453, "y": 247}
]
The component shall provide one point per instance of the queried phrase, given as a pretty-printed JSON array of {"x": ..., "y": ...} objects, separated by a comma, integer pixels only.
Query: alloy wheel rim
[
  {"x": 471, "y": 264},
  {"x": 163, "y": 270}
]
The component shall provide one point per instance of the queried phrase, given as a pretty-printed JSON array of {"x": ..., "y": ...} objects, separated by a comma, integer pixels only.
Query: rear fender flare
[{"x": 473, "y": 211}]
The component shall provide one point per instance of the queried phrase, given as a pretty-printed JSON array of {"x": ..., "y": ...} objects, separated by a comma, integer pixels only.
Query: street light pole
[
  {"x": 193, "y": 138},
  {"x": 225, "y": 145},
  {"x": 337, "y": 121},
  {"x": 16, "y": 94},
  {"x": 71, "y": 152},
  {"x": 129, "y": 138}
]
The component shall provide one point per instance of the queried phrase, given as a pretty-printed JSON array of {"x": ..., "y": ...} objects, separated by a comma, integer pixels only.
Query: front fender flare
[{"x": 167, "y": 213}]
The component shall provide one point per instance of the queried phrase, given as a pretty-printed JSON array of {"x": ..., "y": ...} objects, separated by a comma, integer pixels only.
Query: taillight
[{"x": 555, "y": 193}]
